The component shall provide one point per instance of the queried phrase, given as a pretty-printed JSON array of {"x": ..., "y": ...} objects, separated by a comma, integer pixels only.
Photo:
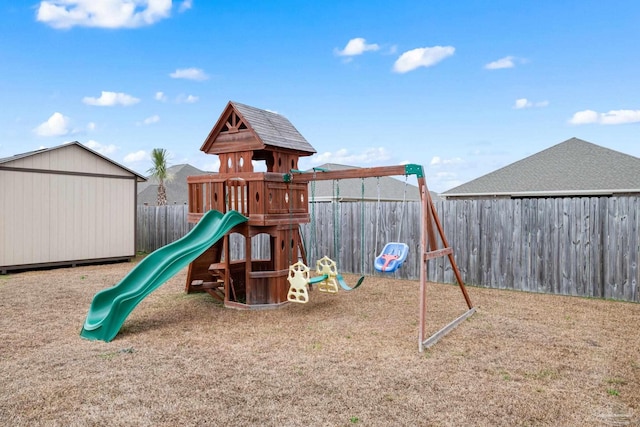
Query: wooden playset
[{"x": 276, "y": 203}]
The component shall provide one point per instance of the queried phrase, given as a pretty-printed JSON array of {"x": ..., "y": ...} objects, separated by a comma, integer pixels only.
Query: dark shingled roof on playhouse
[{"x": 271, "y": 129}]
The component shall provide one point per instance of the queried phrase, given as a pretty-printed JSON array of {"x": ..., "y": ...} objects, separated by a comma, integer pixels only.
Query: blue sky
[{"x": 461, "y": 87}]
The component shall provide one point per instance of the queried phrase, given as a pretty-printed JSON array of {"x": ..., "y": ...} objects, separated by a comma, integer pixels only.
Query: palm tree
[{"x": 159, "y": 157}]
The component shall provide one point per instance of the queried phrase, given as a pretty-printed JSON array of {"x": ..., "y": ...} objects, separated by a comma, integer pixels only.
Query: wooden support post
[
  {"x": 423, "y": 263},
  {"x": 429, "y": 250}
]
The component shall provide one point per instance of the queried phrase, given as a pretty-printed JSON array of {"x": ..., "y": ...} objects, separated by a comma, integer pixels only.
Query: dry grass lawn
[{"x": 345, "y": 360}]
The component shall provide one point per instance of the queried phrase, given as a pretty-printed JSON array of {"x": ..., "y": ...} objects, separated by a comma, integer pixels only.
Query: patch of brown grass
[{"x": 349, "y": 359}]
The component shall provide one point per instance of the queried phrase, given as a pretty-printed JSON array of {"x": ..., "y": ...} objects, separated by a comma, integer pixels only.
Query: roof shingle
[{"x": 273, "y": 129}]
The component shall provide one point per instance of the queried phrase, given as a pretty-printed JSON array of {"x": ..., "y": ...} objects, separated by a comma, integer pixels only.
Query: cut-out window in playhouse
[{"x": 233, "y": 124}]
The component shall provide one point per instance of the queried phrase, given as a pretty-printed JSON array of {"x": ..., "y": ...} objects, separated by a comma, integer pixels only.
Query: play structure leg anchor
[{"x": 444, "y": 331}]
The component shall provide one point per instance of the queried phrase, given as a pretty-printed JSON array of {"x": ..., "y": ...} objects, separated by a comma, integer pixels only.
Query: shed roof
[
  {"x": 571, "y": 168},
  {"x": 6, "y": 160},
  {"x": 271, "y": 129}
]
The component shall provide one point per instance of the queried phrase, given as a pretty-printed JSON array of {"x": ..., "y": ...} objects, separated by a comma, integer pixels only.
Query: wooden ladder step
[
  {"x": 216, "y": 293},
  {"x": 217, "y": 266}
]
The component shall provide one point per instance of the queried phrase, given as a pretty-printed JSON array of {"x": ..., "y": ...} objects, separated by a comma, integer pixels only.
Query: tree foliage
[{"x": 159, "y": 170}]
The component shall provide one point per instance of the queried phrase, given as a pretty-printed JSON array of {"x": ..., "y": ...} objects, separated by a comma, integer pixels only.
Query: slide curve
[{"x": 110, "y": 307}]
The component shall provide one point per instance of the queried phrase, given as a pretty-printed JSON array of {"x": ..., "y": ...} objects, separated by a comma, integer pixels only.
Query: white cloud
[
  {"x": 150, "y": 120},
  {"x": 343, "y": 156},
  {"x": 506, "y": 62},
  {"x": 91, "y": 126},
  {"x": 584, "y": 117},
  {"x": 443, "y": 172},
  {"x": 357, "y": 46},
  {"x": 189, "y": 74},
  {"x": 522, "y": 103},
  {"x": 100, "y": 148},
  {"x": 422, "y": 57},
  {"x": 613, "y": 117},
  {"x": 185, "y": 5},
  {"x": 110, "y": 99},
  {"x": 439, "y": 161},
  {"x": 442, "y": 181},
  {"x": 137, "y": 156},
  {"x": 56, "y": 125},
  {"x": 618, "y": 117},
  {"x": 525, "y": 103},
  {"x": 160, "y": 96},
  {"x": 65, "y": 14},
  {"x": 211, "y": 167},
  {"x": 187, "y": 99},
  {"x": 258, "y": 166}
]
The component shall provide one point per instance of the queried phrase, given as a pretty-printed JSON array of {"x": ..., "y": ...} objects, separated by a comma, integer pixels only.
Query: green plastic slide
[{"x": 110, "y": 307}]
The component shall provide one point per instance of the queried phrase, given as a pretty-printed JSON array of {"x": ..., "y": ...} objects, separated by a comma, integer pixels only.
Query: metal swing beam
[{"x": 428, "y": 239}]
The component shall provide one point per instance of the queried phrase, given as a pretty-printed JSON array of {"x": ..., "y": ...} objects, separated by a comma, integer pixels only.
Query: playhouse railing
[{"x": 263, "y": 197}]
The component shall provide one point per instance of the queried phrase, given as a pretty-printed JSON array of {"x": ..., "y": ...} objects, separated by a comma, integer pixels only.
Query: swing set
[
  {"x": 275, "y": 204},
  {"x": 433, "y": 244}
]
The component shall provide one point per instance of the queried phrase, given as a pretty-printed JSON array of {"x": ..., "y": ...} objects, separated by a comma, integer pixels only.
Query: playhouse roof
[{"x": 269, "y": 128}]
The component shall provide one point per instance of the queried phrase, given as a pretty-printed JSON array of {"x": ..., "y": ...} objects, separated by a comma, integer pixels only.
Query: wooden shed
[{"x": 65, "y": 205}]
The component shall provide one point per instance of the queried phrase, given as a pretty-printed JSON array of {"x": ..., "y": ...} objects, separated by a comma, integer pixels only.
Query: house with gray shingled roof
[
  {"x": 573, "y": 168},
  {"x": 177, "y": 188}
]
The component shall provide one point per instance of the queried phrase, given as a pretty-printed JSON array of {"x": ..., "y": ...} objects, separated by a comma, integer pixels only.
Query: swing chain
[
  {"x": 313, "y": 238},
  {"x": 375, "y": 249},
  {"x": 336, "y": 219},
  {"x": 404, "y": 203},
  {"x": 362, "y": 235},
  {"x": 290, "y": 201}
]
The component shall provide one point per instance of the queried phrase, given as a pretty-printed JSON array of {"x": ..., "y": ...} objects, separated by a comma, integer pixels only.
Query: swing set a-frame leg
[{"x": 429, "y": 250}]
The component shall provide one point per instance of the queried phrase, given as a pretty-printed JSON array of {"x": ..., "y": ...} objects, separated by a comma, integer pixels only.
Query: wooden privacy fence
[
  {"x": 586, "y": 246},
  {"x": 571, "y": 246},
  {"x": 158, "y": 226}
]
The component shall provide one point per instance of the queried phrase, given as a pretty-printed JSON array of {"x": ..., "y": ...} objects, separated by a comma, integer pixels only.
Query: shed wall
[{"x": 57, "y": 217}]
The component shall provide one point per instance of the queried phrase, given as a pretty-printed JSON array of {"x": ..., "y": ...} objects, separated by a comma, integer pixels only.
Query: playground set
[{"x": 258, "y": 208}]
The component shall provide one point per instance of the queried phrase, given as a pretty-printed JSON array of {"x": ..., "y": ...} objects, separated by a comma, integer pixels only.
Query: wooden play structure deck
[
  {"x": 275, "y": 207},
  {"x": 276, "y": 203}
]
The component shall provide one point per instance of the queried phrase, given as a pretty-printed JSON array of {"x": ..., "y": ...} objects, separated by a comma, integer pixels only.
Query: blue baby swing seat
[{"x": 392, "y": 257}]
